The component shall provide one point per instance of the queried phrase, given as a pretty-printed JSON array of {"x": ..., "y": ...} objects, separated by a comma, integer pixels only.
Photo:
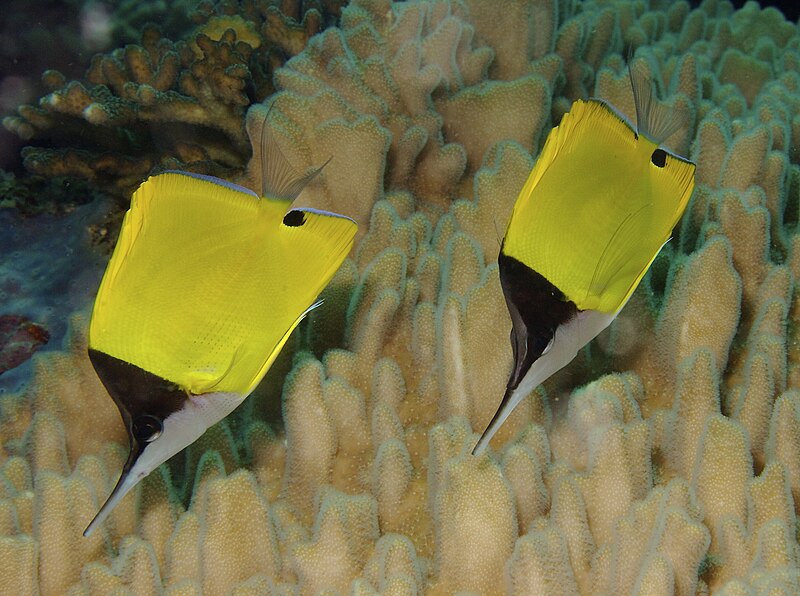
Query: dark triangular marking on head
[
  {"x": 144, "y": 400},
  {"x": 279, "y": 180},
  {"x": 537, "y": 308}
]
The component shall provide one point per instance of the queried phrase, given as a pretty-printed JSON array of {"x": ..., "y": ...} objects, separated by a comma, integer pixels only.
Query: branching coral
[
  {"x": 162, "y": 103},
  {"x": 664, "y": 460}
]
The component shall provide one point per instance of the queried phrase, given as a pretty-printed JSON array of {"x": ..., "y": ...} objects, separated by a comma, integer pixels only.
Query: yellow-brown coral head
[
  {"x": 216, "y": 27},
  {"x": 595, "y": 211},
  {"x": 160, "y": 418}
]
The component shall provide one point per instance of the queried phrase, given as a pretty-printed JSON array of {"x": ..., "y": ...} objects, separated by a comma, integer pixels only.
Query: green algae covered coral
[{"x": 663, "y": 460}]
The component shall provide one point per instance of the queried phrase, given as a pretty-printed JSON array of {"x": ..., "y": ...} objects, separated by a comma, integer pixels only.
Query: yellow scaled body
[
  {"x": 595, "y": 210},
  {"x": 599, "y": 204},
  {"x": 205, "y": 285}
]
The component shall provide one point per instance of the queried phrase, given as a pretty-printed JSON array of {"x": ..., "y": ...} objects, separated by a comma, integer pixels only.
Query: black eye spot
[
  {"x": 147, "y": 428},
  {"x": 294, "y": 218},
  {"x": 659, "y": 158}
]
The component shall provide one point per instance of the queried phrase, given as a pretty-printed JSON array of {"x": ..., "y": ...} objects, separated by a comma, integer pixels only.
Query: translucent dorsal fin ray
[
  {"x": 654, "y": 120},
  {"x": 279, "y": 180}
]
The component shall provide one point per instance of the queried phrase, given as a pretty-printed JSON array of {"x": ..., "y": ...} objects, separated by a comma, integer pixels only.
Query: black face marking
[
  {"x": 294, "y": 218},
  {"x": 144, "y": 400},
  {"x": 659, "y": 158},
  {"x": 537, "y": 309}
]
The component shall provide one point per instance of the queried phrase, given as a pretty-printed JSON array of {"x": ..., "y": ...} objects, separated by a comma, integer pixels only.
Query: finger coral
[{"x": 663, "y": 460}]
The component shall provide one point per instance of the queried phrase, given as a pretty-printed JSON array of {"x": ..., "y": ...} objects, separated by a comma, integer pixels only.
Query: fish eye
[
  {"x": 147, "y": 428},
  {"x": 659, "y": 157},
  {"x": 294, "y": 218}
]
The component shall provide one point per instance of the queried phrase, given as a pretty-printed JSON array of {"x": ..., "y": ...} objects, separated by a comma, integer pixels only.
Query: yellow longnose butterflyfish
[
  {"x": 600, "y": 202},
  {"x": 205, "y": 285}
]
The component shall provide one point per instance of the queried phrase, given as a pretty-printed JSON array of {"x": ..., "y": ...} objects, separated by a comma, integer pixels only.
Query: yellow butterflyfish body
[
  {"x": 597, "y": 190},
  {"x": 600, "y": 202},
  {"x": 205, "y": 285},
  {"x": 209, "y": 281}
]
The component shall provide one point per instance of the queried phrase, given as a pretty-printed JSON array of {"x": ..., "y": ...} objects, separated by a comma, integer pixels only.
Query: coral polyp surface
[{"x": 663, "y": 460}]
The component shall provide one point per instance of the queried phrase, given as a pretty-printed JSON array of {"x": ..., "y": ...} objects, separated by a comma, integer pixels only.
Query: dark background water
[{"x": 790, "y": 8}]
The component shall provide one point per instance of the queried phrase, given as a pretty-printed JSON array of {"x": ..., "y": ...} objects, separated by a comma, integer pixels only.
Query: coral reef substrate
[{"x": 665, "y": 459}]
